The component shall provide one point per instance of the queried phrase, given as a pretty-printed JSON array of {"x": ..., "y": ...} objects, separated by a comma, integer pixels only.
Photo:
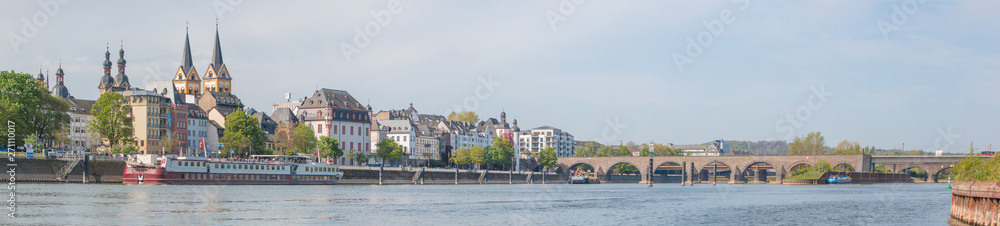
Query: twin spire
[
  {"x": 187, "y": 61},
  {"x": 187, "y": 79}
]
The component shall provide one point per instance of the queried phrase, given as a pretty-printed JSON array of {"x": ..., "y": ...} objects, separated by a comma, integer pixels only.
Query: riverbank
[{"x": 976, "y": 203}]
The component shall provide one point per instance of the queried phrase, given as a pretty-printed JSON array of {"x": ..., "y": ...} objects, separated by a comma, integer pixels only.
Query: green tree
[
  {"x": 847, "y": 147},
  {"x": 461, "y": 156},
  {"x": 301, "y": 140},
  {"x": 501, "y": 154},
  {"x": 547, "y": 158},
  {"x": 235, "y": 144},
  {"x": 645, "y": 152},
  {"x": 605, "y": 151},
  {"x": 915, "y": 152},
  {"x": 477, "y": 155},
  {"x": 388, "y": 150},
  {"x": 357, "y": 156},
  {"x": 588, "y": 149},
  {"x": 110, "y": 113},
  {"x": 26, "y": 103},
  {"x": 812, "y": 144},
  {"x": 238, "y": 122},
  {"x": 622, "y": 151},
  {"x": 329, "y": 147},
  {"x": 465, "y": 116}
]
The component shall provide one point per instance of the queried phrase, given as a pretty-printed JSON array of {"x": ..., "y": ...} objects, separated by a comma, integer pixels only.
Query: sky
[{"x": 882, "y": 73}]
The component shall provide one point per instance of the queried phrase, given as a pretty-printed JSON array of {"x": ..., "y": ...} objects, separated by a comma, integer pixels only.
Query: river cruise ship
[{"x": 258, "y": 169}]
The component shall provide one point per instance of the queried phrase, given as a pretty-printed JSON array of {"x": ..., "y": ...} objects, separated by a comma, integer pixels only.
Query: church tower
[
  {"x": 217, "y": 76},
  {"x": 106, "y": 81},
  {"x": 186, "y": 80},
  {"x": 60, "y": 89},
  {"x": 121, "y": 80}
]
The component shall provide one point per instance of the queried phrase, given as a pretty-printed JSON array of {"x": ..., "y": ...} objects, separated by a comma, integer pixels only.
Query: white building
[
  {"x": 711, "y": 149},
  {"x": 464, "y": 134},
  {"x": 400, "y": 131},
  {"x": 82, "y": 139},
  {"x": 335, "y": 113},
  {"x": 197, "y": 128},
  {"x": 534, "y": 140}
]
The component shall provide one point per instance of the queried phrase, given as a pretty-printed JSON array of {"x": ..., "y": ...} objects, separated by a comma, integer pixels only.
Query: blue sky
[{"x": 602, "y": 70}]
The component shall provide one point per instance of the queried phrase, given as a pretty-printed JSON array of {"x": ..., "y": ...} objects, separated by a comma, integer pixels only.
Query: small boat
[
  {"x": 583, "y": 177},
  {"x": 842, "y": 179}
]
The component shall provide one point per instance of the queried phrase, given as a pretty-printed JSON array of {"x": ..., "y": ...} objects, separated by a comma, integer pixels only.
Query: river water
[{"x": 550, "y": 204}]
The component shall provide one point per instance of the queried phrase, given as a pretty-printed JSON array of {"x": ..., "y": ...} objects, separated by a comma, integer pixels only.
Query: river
[{"x": 528, "y": 204}]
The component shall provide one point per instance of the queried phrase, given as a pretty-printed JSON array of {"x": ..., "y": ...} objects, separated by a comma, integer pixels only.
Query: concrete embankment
[
  {"x": 51, "y": 170},
  {"x": 397, "y": 175},
  {"x": 110, "y": 171},
  {"x": 976, "y": 203},
  {"x": 856, "y": 178}
]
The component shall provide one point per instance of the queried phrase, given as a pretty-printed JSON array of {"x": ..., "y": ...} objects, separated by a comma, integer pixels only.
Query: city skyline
[{"x": 584, "y": 71}]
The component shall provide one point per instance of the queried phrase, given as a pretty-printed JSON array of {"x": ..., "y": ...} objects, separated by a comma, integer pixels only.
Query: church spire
[
  {"x": 186, "y": 61},
  {"x": 217, "y": 53}
]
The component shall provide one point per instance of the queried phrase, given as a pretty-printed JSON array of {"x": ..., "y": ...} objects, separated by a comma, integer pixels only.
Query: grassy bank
[
  {"x": 809, "y": 175},
  {"x": 974, "y": 168}
]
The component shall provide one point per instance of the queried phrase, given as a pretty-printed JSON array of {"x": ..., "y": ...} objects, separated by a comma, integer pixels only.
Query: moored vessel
[{"x": 258, "y": 169}]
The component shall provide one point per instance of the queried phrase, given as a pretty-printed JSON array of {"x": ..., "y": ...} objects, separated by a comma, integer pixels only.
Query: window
[
  {"x": 334, "y": 130},
  {"x": 319, "y": 128},
  {"x": 343, "y": 128},
  {"x": 352, "y": 130}
]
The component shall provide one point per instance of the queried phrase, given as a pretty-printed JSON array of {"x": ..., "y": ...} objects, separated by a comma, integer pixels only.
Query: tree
[
  {"x": 465, "y": 116},
  {"x": 48, "y": 117},
  {"x": 915, "y": 152},
  {"x": 644, "y": 151},
  {"x": 26, "y": 103},
  {"x": 388, "y": 150},
  {"x": 547, "y": 158},
  {"x": 238, "y": 122},
  {"x": 235, "y": 144},
  {"x": 812, "y": 144},
  {"x": 847, "y": 147},
  {"x": 169, "y": 143},
  {"x": 501, "y": 154},
  {"x": 461, "y": 156},
  {"x": 110, "y": 113},
  {"x": 477, "y": 155},
  {"x": 622, "y": 150},
  {"x": 302, "y": 140},
  {"x": 588, "y": 149},
  {"x": 605, "y": 151},
  {"x": 329, "y": 147},
  {"x": 357, "y": 156}
]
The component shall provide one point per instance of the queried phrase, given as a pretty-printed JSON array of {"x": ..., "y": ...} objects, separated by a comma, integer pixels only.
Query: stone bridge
[
  {"x": 737, "y": 164},
  {"x": 933, "y": 165}
]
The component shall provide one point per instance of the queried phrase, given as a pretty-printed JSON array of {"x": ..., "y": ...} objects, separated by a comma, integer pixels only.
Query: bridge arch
[
  {"x": 917, "y": 174},
  {"x": 583, "y": 165},
  {"x": 934, "y": 177},
  {"x": 624, "y": 172},
  {"x": 716, "y": 170},
  {"x": 758, "y": 171},
  {"x": 844, "y": 167}
]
